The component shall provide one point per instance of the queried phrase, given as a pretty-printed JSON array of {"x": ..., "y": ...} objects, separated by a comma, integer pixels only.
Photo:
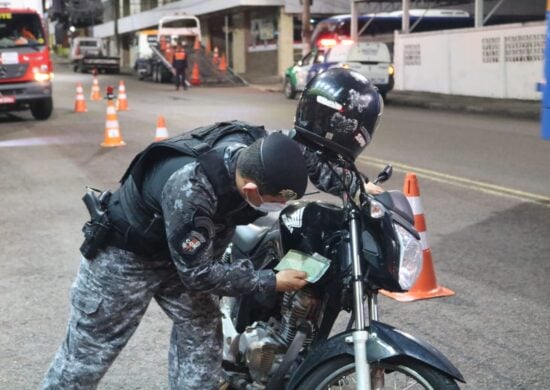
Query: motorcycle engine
[{"x": 263, "y": 345}]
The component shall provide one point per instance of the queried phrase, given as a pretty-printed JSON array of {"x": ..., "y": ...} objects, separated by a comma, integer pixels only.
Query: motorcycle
[{"x": 283, "y": 340}]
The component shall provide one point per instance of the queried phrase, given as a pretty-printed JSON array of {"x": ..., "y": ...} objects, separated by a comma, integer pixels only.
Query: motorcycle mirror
[{"x": 385, "y": 174}]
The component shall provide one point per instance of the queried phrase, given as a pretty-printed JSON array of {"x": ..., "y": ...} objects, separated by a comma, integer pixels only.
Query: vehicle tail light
[{"x": 327, "y": 42}]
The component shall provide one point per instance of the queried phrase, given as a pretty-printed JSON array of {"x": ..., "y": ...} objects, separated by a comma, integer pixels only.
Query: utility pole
[
  {"x": 306, "y": 27},
  {"x": 353, "y": 24},
  {"x": 117, "y": 16},
  {"x": 544, "y": 87},
  {"x": 405, "y": 20},
  {"x": 226, "y": 29},
  {"x": 478, "y": 13}
]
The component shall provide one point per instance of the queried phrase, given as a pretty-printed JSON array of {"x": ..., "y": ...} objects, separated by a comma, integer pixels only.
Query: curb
[
  {"x": 523, "y": 109},
  {"x": 266, "y": 88},
  {"x": 472, "y": 105}
]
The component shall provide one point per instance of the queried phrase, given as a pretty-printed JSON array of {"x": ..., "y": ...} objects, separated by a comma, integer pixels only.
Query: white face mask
[{"x": 266, "y": 207}]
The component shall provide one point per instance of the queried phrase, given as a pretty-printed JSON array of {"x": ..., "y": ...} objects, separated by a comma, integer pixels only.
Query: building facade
[{"x": 259, "y": 37}]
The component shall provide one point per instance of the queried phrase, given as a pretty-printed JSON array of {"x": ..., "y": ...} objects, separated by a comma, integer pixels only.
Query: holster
[{"x": 98, "y": 227}]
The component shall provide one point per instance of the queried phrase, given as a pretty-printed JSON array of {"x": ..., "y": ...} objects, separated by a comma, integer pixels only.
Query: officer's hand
[
  {"x": 373, "y": 189},
  {"x": 290, "y": 280}
]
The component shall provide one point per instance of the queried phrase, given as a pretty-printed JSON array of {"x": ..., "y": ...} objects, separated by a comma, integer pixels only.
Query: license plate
[
  {"x": 379, "y": 80},
  {"x": 8, "y": 58},
  {"x": 7, "y": 99}
]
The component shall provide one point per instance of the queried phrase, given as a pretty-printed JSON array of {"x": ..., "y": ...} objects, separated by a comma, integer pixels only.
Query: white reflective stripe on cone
[
  {"x": 416, "y": 204},
  {"x": 424, "y": 240}
]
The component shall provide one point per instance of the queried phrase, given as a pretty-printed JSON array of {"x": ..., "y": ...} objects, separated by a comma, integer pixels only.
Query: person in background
[
  {"x": 27, "y": 34},
  {"x": 180, "y": 66}
]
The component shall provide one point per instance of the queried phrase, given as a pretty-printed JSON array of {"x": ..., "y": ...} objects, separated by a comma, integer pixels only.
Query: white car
[{"x": 372, "y": 59}]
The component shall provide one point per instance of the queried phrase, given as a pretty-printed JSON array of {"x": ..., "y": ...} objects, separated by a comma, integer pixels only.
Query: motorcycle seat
[{"x": 247, "y": 237}]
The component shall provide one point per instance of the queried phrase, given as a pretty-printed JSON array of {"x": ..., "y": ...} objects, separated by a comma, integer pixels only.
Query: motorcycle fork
[
  {"x": 366, "y": 379},
  {"x": 359, "y": 334},
  {"x": 377, "y": 374}
]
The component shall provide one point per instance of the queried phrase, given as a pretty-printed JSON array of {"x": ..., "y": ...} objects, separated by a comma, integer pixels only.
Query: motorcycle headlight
[{"x": 410, "y": 258}]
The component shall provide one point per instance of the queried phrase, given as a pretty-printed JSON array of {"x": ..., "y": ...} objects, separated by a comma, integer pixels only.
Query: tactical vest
[{"x": 139, "y": 225}]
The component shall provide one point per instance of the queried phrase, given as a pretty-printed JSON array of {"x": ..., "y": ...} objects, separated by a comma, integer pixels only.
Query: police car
[
  {"x": 372, "y": 59},
  {"x": 298, "y": 75}
]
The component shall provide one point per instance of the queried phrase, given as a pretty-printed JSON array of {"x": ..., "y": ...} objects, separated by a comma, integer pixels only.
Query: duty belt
[{"x": 121, "y": 237}]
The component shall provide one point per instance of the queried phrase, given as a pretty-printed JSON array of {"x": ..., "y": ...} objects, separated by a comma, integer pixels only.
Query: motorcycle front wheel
[{"x": 339, "y": 374}]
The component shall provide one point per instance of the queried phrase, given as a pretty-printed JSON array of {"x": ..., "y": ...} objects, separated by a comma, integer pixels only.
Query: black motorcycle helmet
[{"x": 338, "y": 112}]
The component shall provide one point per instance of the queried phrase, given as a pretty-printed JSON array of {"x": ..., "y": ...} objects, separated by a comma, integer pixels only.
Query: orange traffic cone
[
  {"x": 223, "y": 64},
  {"x": 426, "y": 285},
  {"x": 195, "y": 76},
  {"x": 216, "y": 56},
  {"x": 80, "y": 102},
  {"x": 122, "y": 100},
  {"x": 112, "y": 131},
  {"x": 197, "y": 45},
  {"x": 162, "y": 131},
  {"x": 96, "y": 91}
]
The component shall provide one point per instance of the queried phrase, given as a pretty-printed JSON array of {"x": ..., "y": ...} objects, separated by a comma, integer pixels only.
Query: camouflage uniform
[{"x": 112, "y": 292}]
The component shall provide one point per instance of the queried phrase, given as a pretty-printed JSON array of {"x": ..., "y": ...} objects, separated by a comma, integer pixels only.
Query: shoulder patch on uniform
[{"x": 192, "y": 243}]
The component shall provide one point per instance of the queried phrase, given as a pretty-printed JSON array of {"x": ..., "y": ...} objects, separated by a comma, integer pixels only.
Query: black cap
[{"x": 284, "y": 166}]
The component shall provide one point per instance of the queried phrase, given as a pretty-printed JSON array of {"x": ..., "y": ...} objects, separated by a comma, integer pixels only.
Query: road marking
[
  {"x": 35, "y": 141},
  {"x": 462, "y": 182}
]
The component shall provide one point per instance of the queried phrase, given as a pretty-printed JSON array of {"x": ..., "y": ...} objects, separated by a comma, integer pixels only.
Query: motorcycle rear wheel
[{"x": 404, "y": 373}]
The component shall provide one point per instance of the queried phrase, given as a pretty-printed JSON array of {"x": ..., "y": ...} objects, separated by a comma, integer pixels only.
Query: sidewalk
[{"x": 527, "y": 109}]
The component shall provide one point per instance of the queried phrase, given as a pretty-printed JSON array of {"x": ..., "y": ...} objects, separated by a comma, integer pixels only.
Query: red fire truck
[{"x": 25, "y": 66}]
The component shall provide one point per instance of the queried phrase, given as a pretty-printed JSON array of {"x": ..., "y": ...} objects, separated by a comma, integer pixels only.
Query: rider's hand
[
  {"x": 373, "y": 189},
  {"x": 290, "y": 280}
]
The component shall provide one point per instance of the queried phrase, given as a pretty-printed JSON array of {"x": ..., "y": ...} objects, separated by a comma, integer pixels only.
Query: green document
[{"x": 314, "y": 265}]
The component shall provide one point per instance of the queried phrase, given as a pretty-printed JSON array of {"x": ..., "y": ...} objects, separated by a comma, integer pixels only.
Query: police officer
[
  {"x": 180, "y": 66},
  {"x": 173, "y": 216}
]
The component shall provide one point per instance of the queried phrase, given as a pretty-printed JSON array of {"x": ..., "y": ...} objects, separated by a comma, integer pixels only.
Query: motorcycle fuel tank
[{"x": 306, "y": 225}]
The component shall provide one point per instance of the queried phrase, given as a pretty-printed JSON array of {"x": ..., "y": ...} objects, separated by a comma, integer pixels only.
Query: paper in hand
[{"x": 314, "y": 265}]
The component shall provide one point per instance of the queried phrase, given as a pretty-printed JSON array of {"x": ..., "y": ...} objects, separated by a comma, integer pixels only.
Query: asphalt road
[{"x": 485, "y": 187}]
